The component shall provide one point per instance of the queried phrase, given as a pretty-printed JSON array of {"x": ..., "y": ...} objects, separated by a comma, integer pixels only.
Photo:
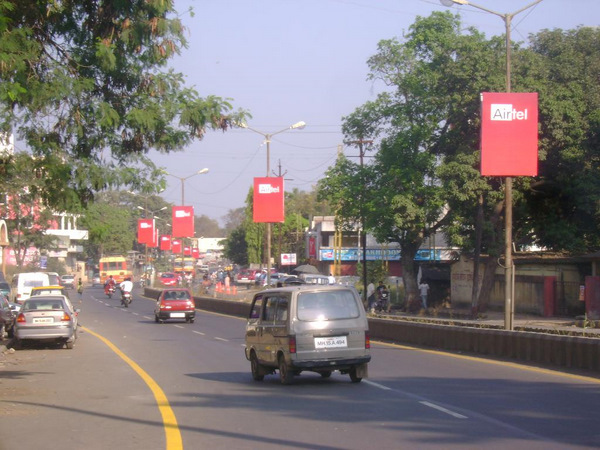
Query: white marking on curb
[{"x": 444, "y": 410}]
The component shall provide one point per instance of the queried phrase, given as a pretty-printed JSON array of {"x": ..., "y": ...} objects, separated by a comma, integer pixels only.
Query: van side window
[
  {"x": 256, "y": 308},
  {"x": 270, "y": 309},
  {"x": 282, "y": 310}
]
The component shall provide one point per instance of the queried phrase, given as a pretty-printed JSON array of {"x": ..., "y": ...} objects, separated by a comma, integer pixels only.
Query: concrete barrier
[{"x": 538, "y": 348}]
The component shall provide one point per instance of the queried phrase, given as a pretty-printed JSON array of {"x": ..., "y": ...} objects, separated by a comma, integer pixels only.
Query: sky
[{"x": 288, "y": 61}]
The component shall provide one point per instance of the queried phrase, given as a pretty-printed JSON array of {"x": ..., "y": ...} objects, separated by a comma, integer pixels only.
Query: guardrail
[{"x": 540, "y": 348}]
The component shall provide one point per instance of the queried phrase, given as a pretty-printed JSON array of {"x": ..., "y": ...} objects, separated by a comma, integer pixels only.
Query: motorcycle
[
  {"x": 125, "y": 298},
  {"x": 383, "y": 301},
  {"x": 142, "y": 282},
  {"x": 109, "y": 291}
]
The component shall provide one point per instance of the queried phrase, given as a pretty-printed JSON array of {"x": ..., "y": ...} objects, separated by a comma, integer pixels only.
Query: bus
[
  {"x": 188, "y": 266},
  {"x": 116, "y": 266}
]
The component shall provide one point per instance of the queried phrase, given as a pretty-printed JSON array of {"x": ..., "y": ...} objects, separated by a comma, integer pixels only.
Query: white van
[{"x": 22, "y": 283}]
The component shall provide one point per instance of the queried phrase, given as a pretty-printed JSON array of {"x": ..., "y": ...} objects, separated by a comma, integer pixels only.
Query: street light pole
[
  {"x": 268, "y": 136},
  {"x": 182, "y": 179},
  {"x": 509, "y": 287}
]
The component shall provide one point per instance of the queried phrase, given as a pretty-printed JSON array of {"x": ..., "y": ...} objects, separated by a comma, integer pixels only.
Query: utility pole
[{"x": 363, "y": 236}]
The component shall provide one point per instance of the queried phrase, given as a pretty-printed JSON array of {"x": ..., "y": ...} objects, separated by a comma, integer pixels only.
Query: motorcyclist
[
  {"x": 126, "y": 286},
  {"x": 108, "y": 283},
  {"x": 382, "y": 297}
]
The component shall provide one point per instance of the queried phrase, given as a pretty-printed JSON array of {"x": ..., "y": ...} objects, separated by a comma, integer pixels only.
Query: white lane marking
[
  {"x": 377, "y": 385},
  {"x": 198, "y": 332},
  {"x": 178, "y": 326},
  {"x": 444, "y": 410},
  {"x": 135, "y": 314},
  {"x": 147, "y": 317},
  {"x": 221, "y": 339}
]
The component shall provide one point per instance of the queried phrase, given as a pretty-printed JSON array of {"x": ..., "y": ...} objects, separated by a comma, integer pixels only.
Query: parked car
[
  {"x": 308, "y": 327},
  {"x": 168, "y": 279},
  {"x": 4, "y": 289},
  {"x": 7, "y": 318},
  {"x": 291, "y": 280},
  {"x": 68, "y": 281},
  {"x": 175, "y": 303},
  {"x": 46, "y": 318}
]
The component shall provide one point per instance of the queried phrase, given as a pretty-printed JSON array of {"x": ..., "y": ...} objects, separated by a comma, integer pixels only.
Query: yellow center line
[{"x": 172, "y": 433}]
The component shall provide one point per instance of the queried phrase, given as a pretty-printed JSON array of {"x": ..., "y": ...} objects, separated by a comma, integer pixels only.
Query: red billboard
[
  {"x": 146, "y": 231},
  {"x": 165, "y": 242},
  {"x": 195, "y": 252},
  {"x": 509, "y": 134},
  {"x": 183, "y": 221},
  {"x": 187, "y": 250},
  {"x": 154, "y": 242},
  {"x": 176, "y": 246},
  {"x": 268, "y": 199}
]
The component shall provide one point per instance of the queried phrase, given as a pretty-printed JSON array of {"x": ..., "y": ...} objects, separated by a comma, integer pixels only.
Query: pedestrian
[
  {"x": 424, "y": 290},
  {"x": 80, "y": 288},
  {"x": 331, "y": 278},
  {"x": 370, "y": 296}
]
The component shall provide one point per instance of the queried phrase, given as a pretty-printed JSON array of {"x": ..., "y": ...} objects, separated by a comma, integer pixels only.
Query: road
[{"x": 133, "y": 384}]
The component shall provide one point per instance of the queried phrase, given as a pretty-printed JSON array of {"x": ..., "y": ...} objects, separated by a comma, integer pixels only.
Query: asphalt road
[{"x": 133, "y": 384}]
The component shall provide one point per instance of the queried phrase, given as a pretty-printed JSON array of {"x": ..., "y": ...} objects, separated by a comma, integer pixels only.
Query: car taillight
[
  {"x": 21, "y": 318},
  {"x": 66, "y": 318},
  {"x": 292, "y": 344},
  {"x": 367, "y": 340}
]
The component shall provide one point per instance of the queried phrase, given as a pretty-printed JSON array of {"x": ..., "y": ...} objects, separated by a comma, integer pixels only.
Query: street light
[
  {"x": 268, "y": 136},
  {"x": 508, "y": 261},
  {"x": 182, "y": 179}
]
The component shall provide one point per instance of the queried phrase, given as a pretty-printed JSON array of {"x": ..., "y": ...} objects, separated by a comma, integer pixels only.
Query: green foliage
[
  {"x": 109, "y": 228},
  {"x": 235, "y": 246},
  {"x": 85, "y": 85}
]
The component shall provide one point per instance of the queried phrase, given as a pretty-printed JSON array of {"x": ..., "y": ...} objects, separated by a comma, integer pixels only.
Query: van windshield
[{"x": 330, "y": 305}]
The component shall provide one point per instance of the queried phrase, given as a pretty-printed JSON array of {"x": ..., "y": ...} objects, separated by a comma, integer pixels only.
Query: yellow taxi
[{"x": 49, "y": 290}]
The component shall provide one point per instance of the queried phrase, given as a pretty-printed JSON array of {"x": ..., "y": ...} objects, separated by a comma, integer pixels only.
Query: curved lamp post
[{"x": 268, "y": 136}]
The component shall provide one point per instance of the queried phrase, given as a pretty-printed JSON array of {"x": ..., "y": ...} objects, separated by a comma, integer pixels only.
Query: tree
[
  {"x": 80, "y": 78},
  {"x": 204, "y": 226},
  {"x": 235, "y": 246},
  {"x": 110, "y": 229}
]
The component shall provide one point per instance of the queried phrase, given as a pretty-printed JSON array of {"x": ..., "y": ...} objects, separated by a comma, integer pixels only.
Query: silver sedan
[{"x": 46, "y": 318}]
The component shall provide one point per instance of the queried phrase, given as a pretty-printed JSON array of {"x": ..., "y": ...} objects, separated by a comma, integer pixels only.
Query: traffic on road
[{"x": 132, "y": 383}]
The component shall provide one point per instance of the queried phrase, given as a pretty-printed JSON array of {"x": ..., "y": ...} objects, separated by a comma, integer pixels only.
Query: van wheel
[
  {"x": 285, "y": 375},
  {"x": 355, "y": 378},
  {"x": 326, "y": 374},
  {"x": 257, "y": 372}
]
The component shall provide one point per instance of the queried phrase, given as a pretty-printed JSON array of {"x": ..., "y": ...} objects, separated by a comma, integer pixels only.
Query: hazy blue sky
[{"x": 287, "y": 61}]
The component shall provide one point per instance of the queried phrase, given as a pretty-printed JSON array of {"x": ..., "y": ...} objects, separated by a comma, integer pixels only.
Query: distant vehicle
[
  {"x": 188, "y": 265},
  {"x": 310, "y": 278},
  {"x": 22, "y": 283},
  {"x": 7, "y": 318},
  {"x": 309, "y": 327},
  {"x": 175, "y": 304},
  {"x": 116, "y": 266},
  {"x": 68, "y": 281},
  {"x": 168, "y": 279},
  {"x": 4, "y": 289},
  {"x": 53, "y": 278},
  {"x": 291, "y": 280},
  {"x": 203, "y": 268},
  {"x": 96, "y": 280},
  {"x": 46, "y": 318},
  {"x": 246, "y": 276},
  {"x": 49, "y": 290}
]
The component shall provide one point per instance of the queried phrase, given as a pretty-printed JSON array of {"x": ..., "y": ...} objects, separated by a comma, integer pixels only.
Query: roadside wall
[{"x": 535, "y": 348}]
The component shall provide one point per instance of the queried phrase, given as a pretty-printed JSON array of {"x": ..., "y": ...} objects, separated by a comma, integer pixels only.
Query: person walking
[{"x": 424, "y": 290}]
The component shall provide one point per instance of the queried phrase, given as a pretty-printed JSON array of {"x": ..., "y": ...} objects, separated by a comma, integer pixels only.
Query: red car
[
  {"x": 246, "y": 276},
  {"x": 175, "y": 303},
  {"x": 168, "y": 279}
]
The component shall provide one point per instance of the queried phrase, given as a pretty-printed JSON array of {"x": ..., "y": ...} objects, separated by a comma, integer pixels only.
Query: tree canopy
[{"x": 85, "y": 85}]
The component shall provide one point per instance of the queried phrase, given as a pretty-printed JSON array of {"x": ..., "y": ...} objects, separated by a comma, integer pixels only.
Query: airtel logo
[
  {"x": 267, "y": 189},
  {"x": 182, "y": 213},
  {"x": 506, "y": 113},
  {"x": 145, "y": 225}
]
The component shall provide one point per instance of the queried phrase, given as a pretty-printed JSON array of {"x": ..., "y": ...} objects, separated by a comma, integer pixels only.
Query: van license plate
[{"x": 331, "y": 342}]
